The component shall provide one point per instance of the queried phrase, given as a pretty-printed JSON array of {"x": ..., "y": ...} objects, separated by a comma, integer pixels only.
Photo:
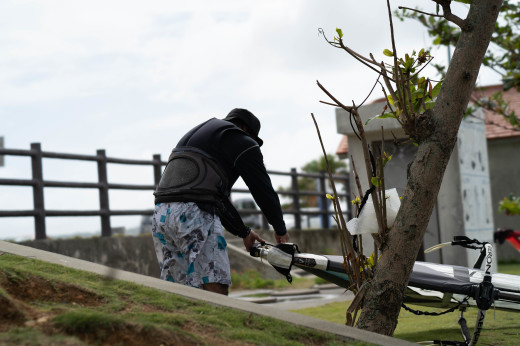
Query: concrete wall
[
  {"x": 134, "y": 254},
  {"x": 137, "y": 254},
  {"x": 504, "y": 156},
  {"x": 395, "y": 171},
  {"x": 463, "y": 205}
]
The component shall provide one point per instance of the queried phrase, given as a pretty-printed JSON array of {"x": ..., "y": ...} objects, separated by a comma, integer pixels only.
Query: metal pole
[
  {"x": 296, "y": 199},
  {"x": 39, "y": 206},
  {"x": 106, "y": 230}
]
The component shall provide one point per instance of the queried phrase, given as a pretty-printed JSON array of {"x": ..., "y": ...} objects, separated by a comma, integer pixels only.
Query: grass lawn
[
  {"x": 47, "y": 304},
  {"x": 500, "y": 327},
  {"x": 509, "y": 268}
]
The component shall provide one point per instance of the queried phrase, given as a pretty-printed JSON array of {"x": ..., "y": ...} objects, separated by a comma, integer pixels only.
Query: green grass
[
  {"x": 60, "y": 305},
  {"x": 500, "y": 327},
  {"x": 512, "y": 268},
  {"x": 253, "y": 280}
]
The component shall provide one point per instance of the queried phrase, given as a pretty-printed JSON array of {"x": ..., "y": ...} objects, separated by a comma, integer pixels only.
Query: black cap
[{"x": 249, "y": 120}]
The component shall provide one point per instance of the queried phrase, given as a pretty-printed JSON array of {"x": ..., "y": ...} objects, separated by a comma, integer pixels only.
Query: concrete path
[
  {"x": 201, "y": 295},
  {"x": 296, "y": 299}
]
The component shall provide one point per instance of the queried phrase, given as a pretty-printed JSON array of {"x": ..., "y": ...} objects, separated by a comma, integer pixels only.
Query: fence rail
[{"x": 104, "y": 212}]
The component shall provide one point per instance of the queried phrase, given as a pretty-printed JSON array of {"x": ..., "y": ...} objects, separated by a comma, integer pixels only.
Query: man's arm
[
  {"x": 232, "y": 221},
  {"x": 251, "y": 168}
]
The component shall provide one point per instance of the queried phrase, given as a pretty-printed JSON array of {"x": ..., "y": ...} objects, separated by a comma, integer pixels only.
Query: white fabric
[{"x": 366, "y": 223}]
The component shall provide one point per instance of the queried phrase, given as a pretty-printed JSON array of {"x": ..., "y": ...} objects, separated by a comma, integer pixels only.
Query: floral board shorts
[{"x": 190, "y": 245}]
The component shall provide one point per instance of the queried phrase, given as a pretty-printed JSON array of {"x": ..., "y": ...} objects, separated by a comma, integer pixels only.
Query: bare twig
[
  {"x": 389, "y": 86},
  {"x": 370, "y": 93},
  {"x": 397, "y": 70},
  {"x": 406, "y": 86},
  {"x": 356, "y": 176},
  {"x": 347, "y": 108},
  {"x": 419, "y": 11},
  {"x": 365, "y": 61},
  {"x": 355, "y": 305},
  {"x": 390, "y": 106},
  {"x": 362, "y": 59},
  {"x": 330, "y": 104},
  {"x": 446, "y": 9},
  {"x": 382, "y": 172},
  {"x": 368, "y": 167},
  {"x": 347, "y": 235}
]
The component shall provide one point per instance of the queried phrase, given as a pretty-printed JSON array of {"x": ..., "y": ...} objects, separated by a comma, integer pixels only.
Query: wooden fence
[{"x": 38, "y": 184}]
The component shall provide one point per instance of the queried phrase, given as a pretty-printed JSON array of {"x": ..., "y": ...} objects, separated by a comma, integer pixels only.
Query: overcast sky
[{"x": 132, "y": 76}]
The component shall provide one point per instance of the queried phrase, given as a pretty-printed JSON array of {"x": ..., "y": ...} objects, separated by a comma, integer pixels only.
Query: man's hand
[
  {"x": 250, "y": 240},
  {"x": 282, "y": 238}
]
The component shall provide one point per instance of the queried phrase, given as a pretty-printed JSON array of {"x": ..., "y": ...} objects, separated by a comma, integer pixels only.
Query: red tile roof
[
  {"x": 343, "y": 146},
  {"x": 496, "y": 126}
]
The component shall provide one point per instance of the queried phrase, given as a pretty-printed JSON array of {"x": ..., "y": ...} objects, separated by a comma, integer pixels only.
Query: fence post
[
  {"x": 324, "y": 202},
  {"x": 106, "y": 230},
  {"x": 157, "y": 169},
  {"x": 38, "y": 201},
  {"x": 296, "y": 199}
]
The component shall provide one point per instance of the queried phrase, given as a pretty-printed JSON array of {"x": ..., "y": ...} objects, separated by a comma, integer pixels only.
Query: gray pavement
[
  {"x": 296, "y": 299},
  {"x": 197, "y": 294}
]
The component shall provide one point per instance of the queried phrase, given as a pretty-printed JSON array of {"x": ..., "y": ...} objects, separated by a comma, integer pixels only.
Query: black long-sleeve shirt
[{"x": 238, "y": 155}]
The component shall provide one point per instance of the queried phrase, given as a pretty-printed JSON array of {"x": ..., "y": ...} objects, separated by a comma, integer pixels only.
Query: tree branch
[
  {"x": 446, "y": 9},
  {"x": 347, "y": 108},
  {"x": 329, "y": 103},
  {"x": 419, "y": 11},
  {"x": 397, "y": 71},
  {"x": 361, "y": 58},
  {"x": 370, "y": 93},
  {"x": 365, "y": 61}
]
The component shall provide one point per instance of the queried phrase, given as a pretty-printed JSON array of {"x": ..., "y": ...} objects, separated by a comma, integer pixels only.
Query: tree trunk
[{"x": 384, "y": 297}]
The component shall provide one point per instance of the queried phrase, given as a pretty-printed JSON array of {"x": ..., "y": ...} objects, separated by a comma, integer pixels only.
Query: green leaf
[
  {"x": 390, "y": 100},
  {"x": 340, "y": 32},
  {"x": 375, "y": 181},
  {"x": 388, "y": 52},
  {"x": 418, "y": 93},
  {"x": 409, "y": 63},
  {"x": 387, "y": 115},
  {"x": 381, "y": 116},
  {"x": 436, "y": 90},
  {"x": 510, "y": 205},
  {"x": 386, "y": 158}
]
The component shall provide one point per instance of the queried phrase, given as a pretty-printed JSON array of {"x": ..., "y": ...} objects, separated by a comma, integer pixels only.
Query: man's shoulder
[{"x": 238, "y": 139}]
